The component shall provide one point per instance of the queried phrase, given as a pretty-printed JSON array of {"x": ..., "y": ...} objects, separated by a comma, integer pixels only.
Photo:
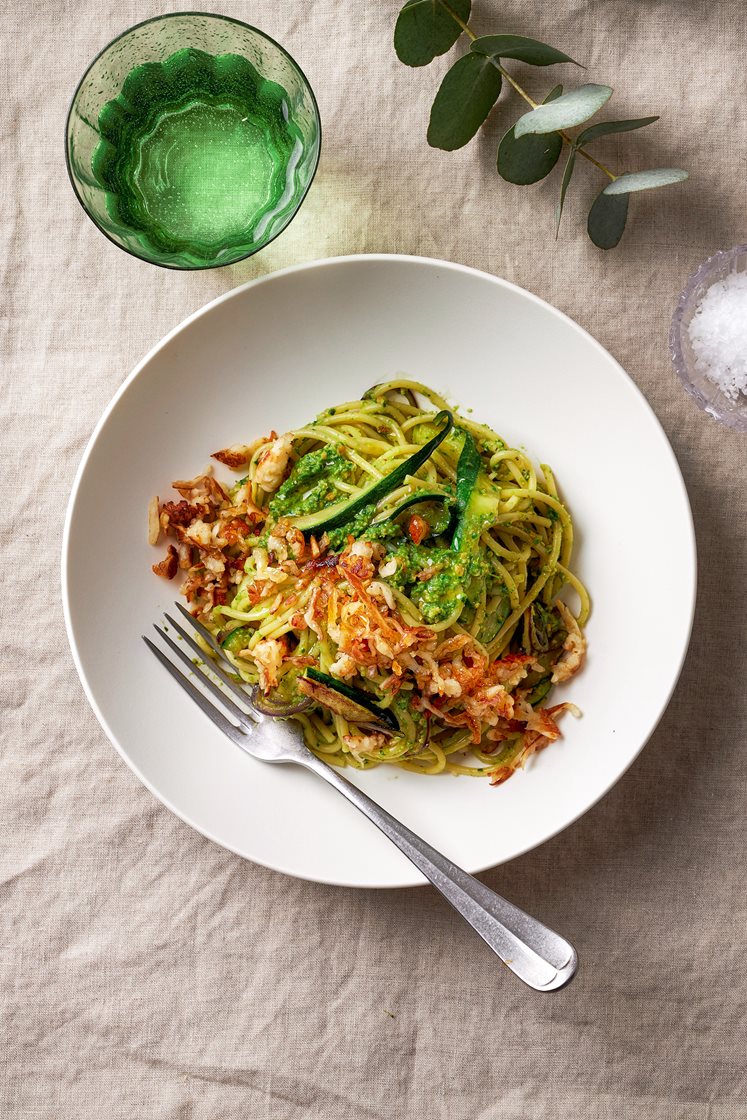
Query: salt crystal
[{"x": 718, "y": 334}]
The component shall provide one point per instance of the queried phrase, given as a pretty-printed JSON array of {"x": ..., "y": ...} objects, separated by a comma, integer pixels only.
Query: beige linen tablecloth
[{"x": 147, "y": 973}]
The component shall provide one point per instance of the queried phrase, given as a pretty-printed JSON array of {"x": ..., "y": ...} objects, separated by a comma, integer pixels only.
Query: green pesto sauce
[
  {"x": 439, "y": 596},
  {"x": 308, "y": 487},
  {"x": 356, "y": 527},
  {"x": 490, "y": 446},
  {"x": 391, "y": 530},
  {"x": 459, "y": 575},
  {"x": 457, "y": 578}
]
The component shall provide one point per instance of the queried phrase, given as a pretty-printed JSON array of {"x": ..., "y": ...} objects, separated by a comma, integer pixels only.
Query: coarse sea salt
[{"x": 718, "y": 335}]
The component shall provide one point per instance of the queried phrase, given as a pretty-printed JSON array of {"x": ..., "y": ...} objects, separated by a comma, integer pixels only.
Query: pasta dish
[{"x": 390, "y": 576}]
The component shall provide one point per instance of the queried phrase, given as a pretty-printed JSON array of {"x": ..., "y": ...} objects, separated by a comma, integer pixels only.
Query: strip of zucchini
[
  {"x": 238, "y": 639},
  {"x": 540, "y": 690},
  {"x": 344, "y": 700},
  {"x": 468, "y": 471},
  {"x": 341, "y": 512},
  {"x": 416, "y": 499}
]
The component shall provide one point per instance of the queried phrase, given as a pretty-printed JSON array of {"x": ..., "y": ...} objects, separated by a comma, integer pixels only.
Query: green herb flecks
[{"x": 309, "y": 487}]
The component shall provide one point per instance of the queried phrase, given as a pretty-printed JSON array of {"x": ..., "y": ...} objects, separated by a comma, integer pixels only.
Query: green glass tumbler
[{"x": 192, "y": 140}]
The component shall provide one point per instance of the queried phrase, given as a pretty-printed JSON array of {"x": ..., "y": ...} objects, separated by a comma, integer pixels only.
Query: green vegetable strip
[
  {"x": 356, "y": 696},
  {"x": 341, "y": 512},
  {"x": 413, "y": 500},
  {"x": 468, "y": 469}
]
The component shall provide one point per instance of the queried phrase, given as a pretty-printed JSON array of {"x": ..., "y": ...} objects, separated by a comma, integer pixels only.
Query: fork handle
[{"x": 541, "y": 958}]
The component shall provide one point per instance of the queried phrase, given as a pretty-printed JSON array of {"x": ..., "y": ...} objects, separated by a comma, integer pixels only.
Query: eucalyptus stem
[
  {"x": 457, "y": 19},
  {"x": 523, "y": 93},
  {"x": 591, "y": 159},
  {"x": 530, "y": 149},
  {"x": 512, "y": 81}
]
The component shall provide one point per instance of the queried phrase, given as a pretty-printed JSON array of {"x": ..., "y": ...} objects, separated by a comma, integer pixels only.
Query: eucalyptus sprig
[{"x": 530, "y": 149}]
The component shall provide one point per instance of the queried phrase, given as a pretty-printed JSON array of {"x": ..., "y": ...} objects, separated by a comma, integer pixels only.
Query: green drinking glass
[{"x": 192, "y": 140}]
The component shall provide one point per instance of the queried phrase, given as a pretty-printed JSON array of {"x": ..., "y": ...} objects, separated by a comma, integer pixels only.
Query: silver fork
[{"x": 541, "y": 958}]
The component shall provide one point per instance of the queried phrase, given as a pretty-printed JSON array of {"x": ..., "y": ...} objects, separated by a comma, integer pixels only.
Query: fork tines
[{"x": 197, "y": 666}]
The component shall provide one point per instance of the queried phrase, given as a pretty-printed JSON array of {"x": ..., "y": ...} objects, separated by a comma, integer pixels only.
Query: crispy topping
[
  {"x": 168, "y": 566},
  {"x": 272, "y": 463},
  {"x": 418, "y": 529},
  {"x": 204, "y": 486},
  {"x": 268, "y": 656},
  {"x": 350, "y": 601},
  {"x": 180, "y": 513},
  {"x": 574, "y": 647},
  {"x": 154, "y": 525},
  {"x": 238, "y": 455}
]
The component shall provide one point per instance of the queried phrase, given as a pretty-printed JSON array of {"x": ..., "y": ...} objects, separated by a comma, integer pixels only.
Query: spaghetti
[{"x": 390, "y": 573}]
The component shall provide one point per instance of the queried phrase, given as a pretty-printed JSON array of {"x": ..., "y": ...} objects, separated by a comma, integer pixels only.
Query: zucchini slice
[
  {"x": 420, "y": 497},
  {"x": 238, "y": 639},
  {"x": 540, "y": 690},
  {"x": 346, "y": 701},
  {"x": 341, "y": 512},
  {"x": 468, "y": 470}
]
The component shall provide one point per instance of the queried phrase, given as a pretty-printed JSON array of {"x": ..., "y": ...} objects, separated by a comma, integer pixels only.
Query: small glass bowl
[
  {"x": 708, "y": 395},
  {"x": 149, "y": 45}
]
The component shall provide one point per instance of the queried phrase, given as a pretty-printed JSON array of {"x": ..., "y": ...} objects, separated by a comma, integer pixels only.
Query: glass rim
[{"x": 162, "y": 18}]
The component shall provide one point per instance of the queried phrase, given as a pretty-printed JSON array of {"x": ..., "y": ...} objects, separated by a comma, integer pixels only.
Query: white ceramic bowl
[{"x": 270, "y": 355}]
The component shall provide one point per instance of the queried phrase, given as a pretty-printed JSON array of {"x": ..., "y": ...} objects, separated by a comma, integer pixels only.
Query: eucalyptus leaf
[
  {"x": 607, "y": 218},
  {"x": 531, "y": 149},
  {"x": 645, "y": 180},
  {"x": 607, "y": 128},
  {"x": 531, "y": 158},
  {"x": 520, "y": 47},
  {"x": 426, "y": 28},
  {"x": 464, "y": 99},
  {"x": 528, "y": 159},
  {"x": 566, "y": 111},
  {"x": 567, "y": 172}
]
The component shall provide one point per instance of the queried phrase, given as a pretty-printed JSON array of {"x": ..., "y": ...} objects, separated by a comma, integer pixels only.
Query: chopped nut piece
[
  {"x": 179, "y": 513},
  {"x": 168, "y": 566},
  {"x": 154, "y": 525},
  {"x": 238, "y": 455}
]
